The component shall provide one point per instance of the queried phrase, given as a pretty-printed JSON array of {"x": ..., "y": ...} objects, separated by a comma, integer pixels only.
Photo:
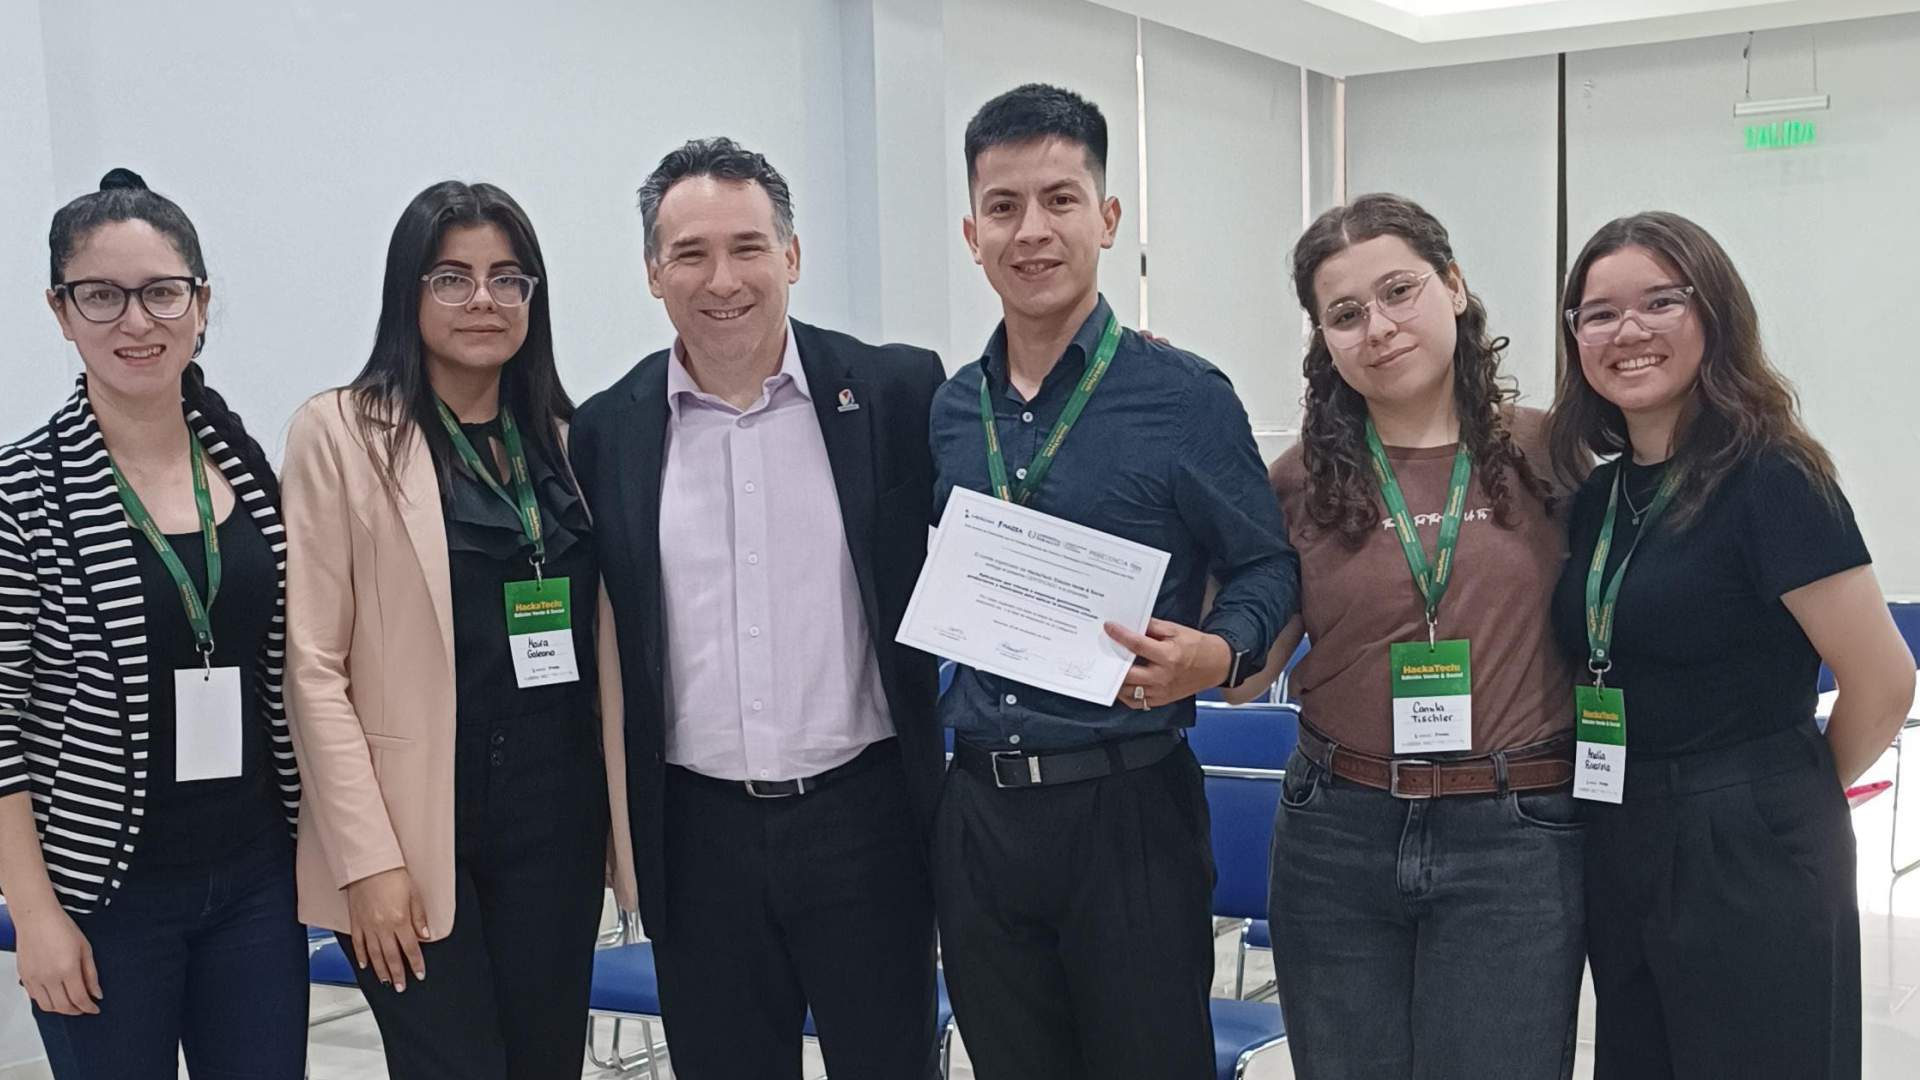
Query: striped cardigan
[{"x": 73, "y": 648}]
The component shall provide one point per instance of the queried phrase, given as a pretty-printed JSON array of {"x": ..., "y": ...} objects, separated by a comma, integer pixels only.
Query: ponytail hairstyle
[
  {"x": 124, "y": 196},
  {"x": 1342, "y": 495}
]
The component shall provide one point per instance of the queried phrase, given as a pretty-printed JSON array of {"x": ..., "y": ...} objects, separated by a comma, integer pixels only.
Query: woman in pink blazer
[{"x": 442, "y": 594}]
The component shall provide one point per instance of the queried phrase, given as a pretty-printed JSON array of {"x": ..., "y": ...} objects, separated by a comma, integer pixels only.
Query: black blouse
[
  {"x": 488, "y": 549},
  {"x": 202, "y": 821}
]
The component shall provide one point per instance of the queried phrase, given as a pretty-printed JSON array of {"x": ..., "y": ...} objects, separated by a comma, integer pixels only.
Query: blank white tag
[{"x": 206, "y": 723}]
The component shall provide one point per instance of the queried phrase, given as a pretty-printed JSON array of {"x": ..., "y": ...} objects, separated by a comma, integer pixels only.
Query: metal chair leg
[
  {"x": 623, "y": 1064},
  {"x": 1240, "y": 961},
  {"x": 1893, "y": 832}
]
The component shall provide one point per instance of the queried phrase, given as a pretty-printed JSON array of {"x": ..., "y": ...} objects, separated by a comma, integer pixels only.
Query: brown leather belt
[{"x": 1527, "y": 768}]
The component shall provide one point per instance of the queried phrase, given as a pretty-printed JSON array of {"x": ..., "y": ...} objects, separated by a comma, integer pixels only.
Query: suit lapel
[
  {"x": 426, "y": 526},
  {"x": 845, "y": 405},
  {"x": 639, "y": 457}
]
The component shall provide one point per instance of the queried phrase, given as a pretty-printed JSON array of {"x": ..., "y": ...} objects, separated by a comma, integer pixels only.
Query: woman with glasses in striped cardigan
[{"x": 148, "y": 790}]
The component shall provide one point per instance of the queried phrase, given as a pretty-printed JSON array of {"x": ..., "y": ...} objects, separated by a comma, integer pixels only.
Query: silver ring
[{"x": 1139, "y": 693}]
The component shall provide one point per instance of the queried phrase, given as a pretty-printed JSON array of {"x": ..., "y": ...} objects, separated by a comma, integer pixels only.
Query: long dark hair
[
  {"x": 124, "y": 196},
  {"x": 1740, "y": 404},
  {"x": 1342, "y": 494},
  {"x": 393, "y": 395}
]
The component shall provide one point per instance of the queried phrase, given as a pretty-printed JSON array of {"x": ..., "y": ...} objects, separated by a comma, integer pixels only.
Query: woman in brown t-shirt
[{"x": 1426, "y": 890}]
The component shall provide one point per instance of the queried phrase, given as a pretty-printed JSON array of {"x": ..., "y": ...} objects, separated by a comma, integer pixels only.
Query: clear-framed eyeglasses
[
  {"x": 454, "y": 289},
  {"x": 1397, "y": 299},
  {"x": 1658, "y": 311},
  {"x": 100, "y": 301}
]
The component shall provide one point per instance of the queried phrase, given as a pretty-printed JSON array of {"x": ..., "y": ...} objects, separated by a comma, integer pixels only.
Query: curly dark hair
[{"x": 1342, "y": 494}]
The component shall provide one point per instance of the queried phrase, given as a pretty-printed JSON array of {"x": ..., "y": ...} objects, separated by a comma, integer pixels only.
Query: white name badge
[
  {"x": 540, "y": 632},
  {"x": 206, "y": 723},
  {"x": 1600, "y": 772}
]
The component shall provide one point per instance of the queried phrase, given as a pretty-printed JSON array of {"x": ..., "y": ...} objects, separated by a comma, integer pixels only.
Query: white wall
[
  {"x": 37, "y": 371},
  {"x": 294, "y": 134},
  {"x": 1475, "y": 145},
  {"x": 993, "y": 46},
  {"x": 1825, "y": 235},
  {"x": 1223, "y": 189}
]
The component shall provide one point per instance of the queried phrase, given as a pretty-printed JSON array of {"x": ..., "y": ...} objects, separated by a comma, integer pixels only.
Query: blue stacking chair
[
  {"x": 1229, "y": 739},
  {"x": 328, "y": 965},
  {"x": 625, "y": 988},
  {"x": 1241, "y": 803},
  {"x": 1254, "y": 736},
  {"x": 1241, "y": 1030}
]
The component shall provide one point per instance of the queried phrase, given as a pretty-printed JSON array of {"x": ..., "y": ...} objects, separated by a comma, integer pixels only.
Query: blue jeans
[
  {"x": 1426, "y": 940},
  {"x": 209, "y": 959}
]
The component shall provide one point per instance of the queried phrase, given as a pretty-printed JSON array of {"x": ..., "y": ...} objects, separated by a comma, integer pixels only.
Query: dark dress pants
[
  {"x": 775, "y": 905},
  {"x": 505, "y": 997},
  {"x": 1075, "y": 924},
  {"x": 1722, "y": 924}
]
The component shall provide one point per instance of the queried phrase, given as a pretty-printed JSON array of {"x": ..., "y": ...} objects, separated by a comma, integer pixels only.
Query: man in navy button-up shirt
[
  {"x": 1072, "y": 857},
  {"x": 1164, "y": 456}
]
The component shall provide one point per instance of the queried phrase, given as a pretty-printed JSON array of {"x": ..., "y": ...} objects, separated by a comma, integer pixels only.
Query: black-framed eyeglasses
[
  {"x": 1658, "y": 311},
  {"x": 100, "y": 301},
  {"x": 454, "y": 289},
  {"x": 1345, "y": 323}
]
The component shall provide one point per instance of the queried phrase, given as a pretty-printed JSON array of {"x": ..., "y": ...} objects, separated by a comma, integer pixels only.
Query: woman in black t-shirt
[{"x": 1721, "y": 920}]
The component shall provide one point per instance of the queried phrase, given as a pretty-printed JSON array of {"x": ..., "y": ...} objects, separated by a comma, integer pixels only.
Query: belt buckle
[
  {"x": 1393, "y": 778},
  {"x": 753, "y": 789},
  {"x": 1033, "y": 768}
]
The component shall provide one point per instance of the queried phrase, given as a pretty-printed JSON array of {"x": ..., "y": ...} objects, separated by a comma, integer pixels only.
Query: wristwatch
[{"x": 1243, "y": 664}]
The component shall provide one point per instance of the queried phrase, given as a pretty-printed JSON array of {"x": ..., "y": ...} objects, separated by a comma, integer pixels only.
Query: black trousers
[
  {"x": 777, "y": 905},
  {"x": 505, "y": 997},
  {"x": 1075, "y": 924},
  {"x": 1722, "y": 925}
]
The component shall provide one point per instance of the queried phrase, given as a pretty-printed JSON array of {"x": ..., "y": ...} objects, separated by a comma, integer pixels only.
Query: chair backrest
[
  {"x": 1255, "y": 736},
  {"x": 1242, "y": 809},
  {"x": 946, "y": 675}
]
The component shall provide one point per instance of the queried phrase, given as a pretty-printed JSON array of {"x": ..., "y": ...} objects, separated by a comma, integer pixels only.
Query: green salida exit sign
[{"x": 1781, "y": 135}]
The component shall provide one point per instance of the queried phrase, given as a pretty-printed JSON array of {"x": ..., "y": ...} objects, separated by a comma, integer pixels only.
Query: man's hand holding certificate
[{"x": 1026, "y": 596}]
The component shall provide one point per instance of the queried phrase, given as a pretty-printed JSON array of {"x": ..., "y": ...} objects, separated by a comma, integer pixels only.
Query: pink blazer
[{"x": 370, "y": 684}]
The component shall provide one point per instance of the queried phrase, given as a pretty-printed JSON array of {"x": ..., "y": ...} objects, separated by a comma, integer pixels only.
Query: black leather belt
[
  {"x": 804, "y": 785},
  {"x": 1045, "y": 768}
]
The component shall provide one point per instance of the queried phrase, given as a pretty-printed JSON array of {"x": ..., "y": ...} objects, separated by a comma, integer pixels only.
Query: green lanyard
[
  {"x": 1600, "y": 607},
  {"x": 1430, "y": 580},
  {"x": 199, "y": 613},
  {"x": 1043, "y": 461},
  {"x": 525, "y": 505}
]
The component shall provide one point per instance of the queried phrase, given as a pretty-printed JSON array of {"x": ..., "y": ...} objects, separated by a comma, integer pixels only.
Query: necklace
[{"x": 1638, "y": 511}]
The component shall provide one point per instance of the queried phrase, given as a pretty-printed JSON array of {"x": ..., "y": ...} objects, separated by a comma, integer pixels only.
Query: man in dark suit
[{"x": 761, "y": 492}]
